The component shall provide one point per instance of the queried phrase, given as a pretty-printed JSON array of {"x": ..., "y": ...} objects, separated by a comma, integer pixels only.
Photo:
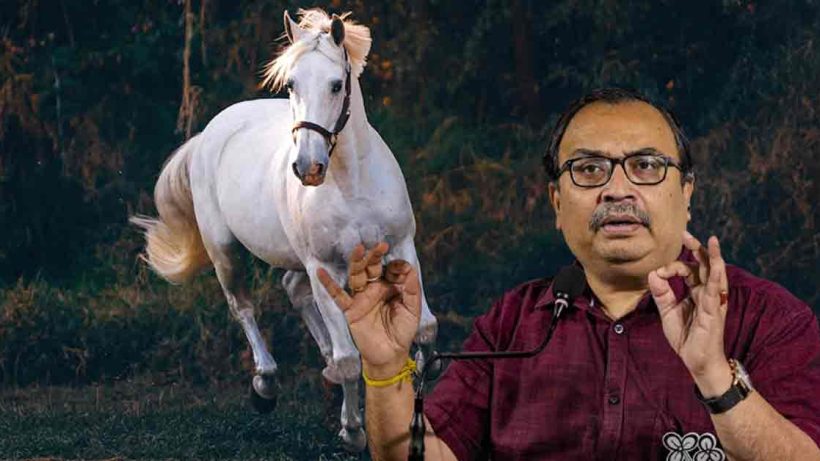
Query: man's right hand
[{"x": 383, "y": 311}]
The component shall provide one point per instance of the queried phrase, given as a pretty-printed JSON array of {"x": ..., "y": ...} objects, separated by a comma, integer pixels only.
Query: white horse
[{"x": 266, "y": 177}]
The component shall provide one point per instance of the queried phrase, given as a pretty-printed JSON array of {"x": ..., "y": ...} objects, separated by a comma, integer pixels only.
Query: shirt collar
[{"x": 588, "y": 301}]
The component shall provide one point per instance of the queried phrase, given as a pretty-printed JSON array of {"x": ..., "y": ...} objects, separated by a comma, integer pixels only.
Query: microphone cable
[{"x": 568, "y": 285}]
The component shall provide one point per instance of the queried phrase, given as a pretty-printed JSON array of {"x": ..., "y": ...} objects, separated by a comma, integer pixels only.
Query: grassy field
[{"x": 139, "y": 420}]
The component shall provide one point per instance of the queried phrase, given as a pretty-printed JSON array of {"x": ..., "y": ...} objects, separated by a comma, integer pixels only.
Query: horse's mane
[{"x": 317, "y": 23}]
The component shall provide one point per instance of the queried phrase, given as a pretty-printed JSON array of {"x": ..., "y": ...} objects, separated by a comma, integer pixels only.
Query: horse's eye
[
  {"x": 289, "y": 85},
  {"x": 336, "y": 86}
]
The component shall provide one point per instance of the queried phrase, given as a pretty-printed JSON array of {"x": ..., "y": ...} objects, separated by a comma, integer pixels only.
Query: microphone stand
[{"x": 417, "y": 426}]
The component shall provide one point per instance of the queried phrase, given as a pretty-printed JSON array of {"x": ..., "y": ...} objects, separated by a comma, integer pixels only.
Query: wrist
[
  {"x": 715, "y": 380},
  {"x": 385, "y": 370}
]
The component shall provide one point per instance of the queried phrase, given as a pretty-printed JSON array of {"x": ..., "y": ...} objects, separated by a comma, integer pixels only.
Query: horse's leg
[
  {"x": 228, "y": 262},
  {"x": 345, "y": 357},
  {"x": 352, "y": 432},
  {"x": 297, "y": 286}
]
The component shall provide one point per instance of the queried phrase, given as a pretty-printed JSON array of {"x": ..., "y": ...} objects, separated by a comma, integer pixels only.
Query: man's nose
[{"x": 619, "y": 187}]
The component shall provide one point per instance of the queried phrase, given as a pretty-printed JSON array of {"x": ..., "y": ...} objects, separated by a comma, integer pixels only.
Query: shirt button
[
  {"x": 614, "y": 400},
  {"x": 619, "y": 329}
]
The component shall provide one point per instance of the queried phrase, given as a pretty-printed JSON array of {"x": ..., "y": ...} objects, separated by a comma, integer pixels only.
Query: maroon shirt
[{"x": 606, "y": 389}]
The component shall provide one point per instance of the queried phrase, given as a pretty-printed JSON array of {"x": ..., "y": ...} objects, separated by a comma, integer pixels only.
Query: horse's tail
[{"x": 174, "y": 245}]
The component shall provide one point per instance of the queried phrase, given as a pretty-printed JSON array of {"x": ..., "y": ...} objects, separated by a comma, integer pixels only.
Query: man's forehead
[{"x": 617, "y": 129}]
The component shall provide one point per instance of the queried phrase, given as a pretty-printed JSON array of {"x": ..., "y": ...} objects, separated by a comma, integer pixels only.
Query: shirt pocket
[{"x": 668, "y": 438}]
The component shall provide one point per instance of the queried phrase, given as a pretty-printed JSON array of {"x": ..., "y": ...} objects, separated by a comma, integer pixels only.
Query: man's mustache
[{"x": 607, "y": 210}]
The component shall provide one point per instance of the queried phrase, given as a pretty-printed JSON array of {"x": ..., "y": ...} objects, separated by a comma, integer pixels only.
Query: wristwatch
[{"x": 740, "y": 389}]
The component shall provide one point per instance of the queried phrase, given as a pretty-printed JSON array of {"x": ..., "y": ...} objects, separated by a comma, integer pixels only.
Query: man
[{"x": 649, "y": 364}]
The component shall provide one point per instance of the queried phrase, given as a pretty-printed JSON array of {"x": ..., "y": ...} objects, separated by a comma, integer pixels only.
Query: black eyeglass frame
[{"x": 613, "y": 162}]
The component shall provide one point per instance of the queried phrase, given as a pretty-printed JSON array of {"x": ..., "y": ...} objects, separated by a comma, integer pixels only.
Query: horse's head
[{"x": 316, "y": 70}]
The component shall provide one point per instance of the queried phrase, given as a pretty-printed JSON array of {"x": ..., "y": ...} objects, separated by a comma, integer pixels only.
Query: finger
[
  {"x": 340, "y": 297},
  {"x": 721, "y": 268},
  {"x": 661, "y": 292},
  {"x": 374, "y": 297},
  {"x": 717, "y": 275},
  {"x": 410, "y": 292},
  {"x": 680, "y": 269},
  {"x": 403, "y": 332},
  {"x": 356, "y": 275},
  {"x": 374, "y": 260},
  {"x": 724, "y": 283},
  {"x": 396, "y": 271},
  {"x": 700, "y": 254}
]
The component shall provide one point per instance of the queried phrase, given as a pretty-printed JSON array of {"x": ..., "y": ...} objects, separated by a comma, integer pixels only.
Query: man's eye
[
  {"x": 648, "y": 164},
  {"x": 589, "y": 168}
]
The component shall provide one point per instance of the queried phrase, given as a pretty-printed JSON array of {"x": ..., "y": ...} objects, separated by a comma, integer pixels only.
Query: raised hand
[
  {"x": 694, "y": 326},
  {"x": 383, "y": 309}
]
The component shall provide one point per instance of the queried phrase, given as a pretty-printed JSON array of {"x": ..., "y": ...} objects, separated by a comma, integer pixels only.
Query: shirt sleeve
[
  {"x": 784, "y": 361},
  {"x": 458, "y": 408}
]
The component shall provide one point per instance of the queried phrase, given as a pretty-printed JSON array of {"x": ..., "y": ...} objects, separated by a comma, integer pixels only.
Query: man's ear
[
  {"x": 555, "y": 200},
  {"x": 688, "y": 190}
]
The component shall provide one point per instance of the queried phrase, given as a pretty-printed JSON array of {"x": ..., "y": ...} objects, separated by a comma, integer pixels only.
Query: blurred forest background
[{"x": 464, "y": 92}]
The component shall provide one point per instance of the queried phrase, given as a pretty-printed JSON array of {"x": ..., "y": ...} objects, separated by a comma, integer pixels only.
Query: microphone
[{"x": 567, "y": 285}]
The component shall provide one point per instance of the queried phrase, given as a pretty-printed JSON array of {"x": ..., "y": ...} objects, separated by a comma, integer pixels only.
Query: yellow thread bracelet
[{"x": 404, "y": 374}]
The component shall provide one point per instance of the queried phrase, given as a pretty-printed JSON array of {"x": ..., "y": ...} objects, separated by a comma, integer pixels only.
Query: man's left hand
[{"x": 694, "y": 326}]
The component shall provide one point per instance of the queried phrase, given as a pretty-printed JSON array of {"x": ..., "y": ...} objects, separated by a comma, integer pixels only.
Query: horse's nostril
[
  {"x": 315, "y": 169},
  {"x": 296, "y": 171}
]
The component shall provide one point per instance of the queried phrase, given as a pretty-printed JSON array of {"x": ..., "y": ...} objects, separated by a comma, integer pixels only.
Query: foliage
[{"x": 464, "y": 93}]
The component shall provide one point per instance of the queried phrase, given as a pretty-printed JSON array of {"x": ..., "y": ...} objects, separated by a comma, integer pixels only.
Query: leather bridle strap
[{"x": 330, "y": 136}]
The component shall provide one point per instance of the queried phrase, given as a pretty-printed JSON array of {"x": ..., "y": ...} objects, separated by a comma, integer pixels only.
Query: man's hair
[{"x": 615, "y": 96}]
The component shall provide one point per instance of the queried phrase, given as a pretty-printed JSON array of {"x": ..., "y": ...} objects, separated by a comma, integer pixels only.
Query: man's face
[{"x": 596, "y": 221}]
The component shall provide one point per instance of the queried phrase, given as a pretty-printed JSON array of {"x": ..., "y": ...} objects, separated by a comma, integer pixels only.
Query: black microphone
[{"x": 567, "y": 285}]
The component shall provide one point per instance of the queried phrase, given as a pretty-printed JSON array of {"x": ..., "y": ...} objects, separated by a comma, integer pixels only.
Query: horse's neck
[{"x": 352, "y": 148}]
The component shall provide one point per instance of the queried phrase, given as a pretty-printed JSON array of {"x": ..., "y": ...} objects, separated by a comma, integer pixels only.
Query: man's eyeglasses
[{"x": 640, "y": 168}]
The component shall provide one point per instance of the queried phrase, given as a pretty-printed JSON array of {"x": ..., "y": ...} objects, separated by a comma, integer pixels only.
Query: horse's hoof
[
  {"x": 354, "y": 440},
  {"x": 265, "y": 386},
  {"x": 332, "y": 374},
  {"x": 263, "y": 403}
]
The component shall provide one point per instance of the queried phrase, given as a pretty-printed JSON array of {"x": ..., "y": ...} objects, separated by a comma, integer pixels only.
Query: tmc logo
[{"x": 692, "y": 447}]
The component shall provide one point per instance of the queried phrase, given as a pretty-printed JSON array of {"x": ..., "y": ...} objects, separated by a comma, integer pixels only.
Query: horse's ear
[
  {"x": 292, "y": 29},
  {"x": 337, "y": 29}
]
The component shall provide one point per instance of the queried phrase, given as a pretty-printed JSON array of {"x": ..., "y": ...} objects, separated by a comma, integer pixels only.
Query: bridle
[{"x": 330, "y": 136}]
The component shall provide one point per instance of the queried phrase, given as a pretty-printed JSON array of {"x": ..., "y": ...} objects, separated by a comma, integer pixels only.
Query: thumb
[{"x": 661, "y": 292}]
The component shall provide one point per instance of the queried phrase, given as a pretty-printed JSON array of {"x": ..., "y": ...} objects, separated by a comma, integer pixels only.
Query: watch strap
[
  {"x": 725, "y": 402},
  {"x": 737, "y": 392}
]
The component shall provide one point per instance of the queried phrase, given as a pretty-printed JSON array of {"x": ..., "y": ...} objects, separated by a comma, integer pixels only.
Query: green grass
[{"x": 138, "y": 420}]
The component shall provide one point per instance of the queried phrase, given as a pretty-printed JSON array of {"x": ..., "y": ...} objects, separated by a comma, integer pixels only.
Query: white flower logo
[
  {"x": 678, "y": 446},
  {"x": 704, "y": 446},
  {"x": 709, "y": 450}
]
